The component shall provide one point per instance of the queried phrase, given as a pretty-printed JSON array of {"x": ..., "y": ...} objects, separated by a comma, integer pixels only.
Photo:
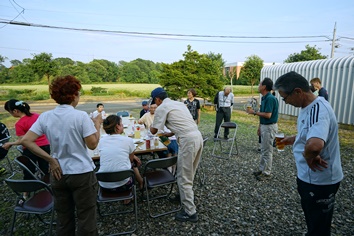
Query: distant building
[{"x": 235, "y": 67}]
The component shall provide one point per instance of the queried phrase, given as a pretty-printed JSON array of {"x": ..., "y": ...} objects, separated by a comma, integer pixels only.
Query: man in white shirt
[
  {"x": 223, "y": 101},
  {"x": 316, "y": 151}
]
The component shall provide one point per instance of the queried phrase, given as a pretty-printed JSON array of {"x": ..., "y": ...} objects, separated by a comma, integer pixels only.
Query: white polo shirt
[{"x": 66, "y": 128}]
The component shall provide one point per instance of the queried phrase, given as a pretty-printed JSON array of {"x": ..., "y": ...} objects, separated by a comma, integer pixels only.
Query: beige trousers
[{"x": 190, "y": 151}]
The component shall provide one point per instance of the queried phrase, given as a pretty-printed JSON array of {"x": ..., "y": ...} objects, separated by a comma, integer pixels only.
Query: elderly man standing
[
  {"x": 268, "y": 118},
  {"x": 316, "y": 152},
  {"x": 224, "y": 101},
  {"x": 176, "y": 116}
]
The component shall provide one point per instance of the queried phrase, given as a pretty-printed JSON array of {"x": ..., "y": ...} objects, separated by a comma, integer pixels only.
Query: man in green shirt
[{"x": 268, "y": 118}]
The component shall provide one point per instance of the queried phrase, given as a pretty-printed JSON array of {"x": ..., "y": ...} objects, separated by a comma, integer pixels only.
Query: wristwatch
[{"x": 254, "y": 113}]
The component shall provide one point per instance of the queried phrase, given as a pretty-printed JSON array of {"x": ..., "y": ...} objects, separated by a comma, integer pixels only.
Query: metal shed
[{"x": 337, "y": 76}]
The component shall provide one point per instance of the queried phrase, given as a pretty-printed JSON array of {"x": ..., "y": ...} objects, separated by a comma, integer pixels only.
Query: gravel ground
[{"x": 231, "y": 202}]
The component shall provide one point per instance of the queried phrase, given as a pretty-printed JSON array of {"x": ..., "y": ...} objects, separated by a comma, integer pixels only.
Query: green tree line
[
  {"x": 203, "y": 72},
  {"x": 43, "y": 67}
]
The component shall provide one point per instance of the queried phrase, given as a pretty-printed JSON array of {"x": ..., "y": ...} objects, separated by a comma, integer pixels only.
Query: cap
[
  {"x": 156, "y": 92},
  {"x": 144, "y": 103}
]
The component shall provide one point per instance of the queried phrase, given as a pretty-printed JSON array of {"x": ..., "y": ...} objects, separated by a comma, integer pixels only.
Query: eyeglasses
[{"x": 286, "y": 97}]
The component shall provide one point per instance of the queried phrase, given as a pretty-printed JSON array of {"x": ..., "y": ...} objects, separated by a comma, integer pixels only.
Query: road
[{"x": 112, "y": 107}]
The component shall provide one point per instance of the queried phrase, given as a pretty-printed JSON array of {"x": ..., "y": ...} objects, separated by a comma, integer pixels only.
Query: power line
[{"x": 160, "y": 34}]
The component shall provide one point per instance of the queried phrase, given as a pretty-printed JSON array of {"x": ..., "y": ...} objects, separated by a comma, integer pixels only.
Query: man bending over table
[{"x": 176, "y": 116}]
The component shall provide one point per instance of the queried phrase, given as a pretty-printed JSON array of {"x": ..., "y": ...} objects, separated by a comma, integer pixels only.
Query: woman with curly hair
[{"x": 73, "y": 179}]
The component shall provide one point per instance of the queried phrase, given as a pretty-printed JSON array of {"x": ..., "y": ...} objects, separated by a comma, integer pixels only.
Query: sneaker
[
  {"x": 256, "y": 173},
  {"x": 184, "y": 217},
  {"x": 263, "y": 177},
  {"x": 226, "y": 137},
  {"x": 3, "y": 171}
]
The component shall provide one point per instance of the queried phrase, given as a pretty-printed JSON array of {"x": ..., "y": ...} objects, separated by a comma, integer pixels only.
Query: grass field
[{"x": 112, "y": 90}]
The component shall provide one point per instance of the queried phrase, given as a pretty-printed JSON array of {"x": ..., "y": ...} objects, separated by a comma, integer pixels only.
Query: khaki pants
[
  {"x": 190, "y": 151},
  {"x": 76, "y": 192},
  {"x": 267, "y": 138}
]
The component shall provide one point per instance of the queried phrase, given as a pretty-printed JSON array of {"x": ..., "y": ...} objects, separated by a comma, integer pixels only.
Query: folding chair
[
  {"x": 39, "y": 204},
  {"x": 157, "y": 175},
  {"x": 224, "y": 144},
  {"x": 3, "y": 155},
  {"x": 200, "y": 174},
  {"x": 24, "y": 162},
  {"x": 105, "y": 196},
  {"x": 4, "y": 138}
]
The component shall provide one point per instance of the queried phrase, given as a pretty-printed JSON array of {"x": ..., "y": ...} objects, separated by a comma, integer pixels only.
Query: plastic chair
[
  {"x": 40, "y": 203},
  {"x": 224, "y": 144},
  {"x": 200, "y": 174},
  {"x": 24, "y": 162},
  {"x": 105, "y": 196},
  {"x": 155, "y": 176}
]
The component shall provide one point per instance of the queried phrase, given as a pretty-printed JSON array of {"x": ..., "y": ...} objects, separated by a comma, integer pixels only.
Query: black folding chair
[
  {"x": 200, "y": 174},
  {"x": 224, "y": 147},
  {"x": 106, "y": 196},
  {"x": 156, "y": 175},
  {"x": 40, "y": 203},
  {"x": 24, "y": 162}
]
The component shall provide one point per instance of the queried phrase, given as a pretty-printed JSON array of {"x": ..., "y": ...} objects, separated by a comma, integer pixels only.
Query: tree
[
  {"x": 2, "y": 59},
  {"x": 63, "y": 61},
  {"x": 251, "y": 70},
  {"x": 22, "y": 74},
  {"x": 43, "y": 65},
  {"x": 198, "y": 71},
  {"x": 310, "y": 54},
  {"x": 15, "y": 62},
  {"x": 96, "y": 71}
]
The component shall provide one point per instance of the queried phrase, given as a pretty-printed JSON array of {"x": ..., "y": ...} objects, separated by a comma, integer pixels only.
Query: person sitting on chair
[
  {"x": 145, "y": 109},
  {"x": 116, "y": 154}
]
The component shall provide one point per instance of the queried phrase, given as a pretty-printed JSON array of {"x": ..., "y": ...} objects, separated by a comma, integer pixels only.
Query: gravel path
[{"x": 232, "y": 201}]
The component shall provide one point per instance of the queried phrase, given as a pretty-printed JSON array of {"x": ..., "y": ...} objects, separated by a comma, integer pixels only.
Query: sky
[{"x": 110, "y": 25}]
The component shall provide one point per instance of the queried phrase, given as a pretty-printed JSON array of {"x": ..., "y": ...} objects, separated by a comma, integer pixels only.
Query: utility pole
[{"x": 333, "y": 39}]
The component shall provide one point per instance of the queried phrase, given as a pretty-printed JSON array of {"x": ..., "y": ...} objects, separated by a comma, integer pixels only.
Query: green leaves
[
  {"x": 201, "y": 72},
  {"x": 311, "y": 53}
]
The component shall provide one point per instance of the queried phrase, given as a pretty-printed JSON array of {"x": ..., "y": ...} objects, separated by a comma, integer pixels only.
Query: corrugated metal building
[{"x": 337, "y": 76}]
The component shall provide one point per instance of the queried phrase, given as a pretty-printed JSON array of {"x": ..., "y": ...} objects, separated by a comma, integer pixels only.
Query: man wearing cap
[
  {"x": 176, "y": 116},
  {"x": 145, "y": 108}
]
